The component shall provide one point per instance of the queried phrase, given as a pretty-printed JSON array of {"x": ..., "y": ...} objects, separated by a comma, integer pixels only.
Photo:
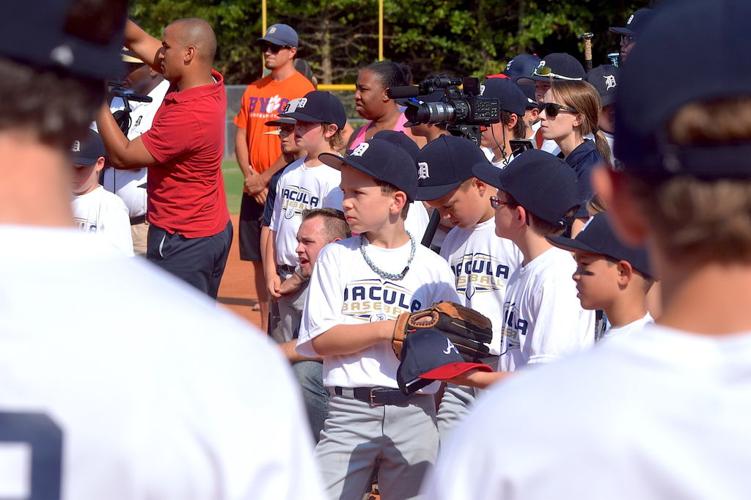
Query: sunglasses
[
  {"x": 552, "y": 109},
  {"x": 274, "y": 49},
  {"x": 547, "y": 72},
  {"x": 496, "y": 202}
]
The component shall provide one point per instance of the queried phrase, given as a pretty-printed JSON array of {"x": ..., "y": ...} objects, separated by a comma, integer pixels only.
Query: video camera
[
  {"x": 441, "y": 100},
  {"x": 117, "y": 88}
]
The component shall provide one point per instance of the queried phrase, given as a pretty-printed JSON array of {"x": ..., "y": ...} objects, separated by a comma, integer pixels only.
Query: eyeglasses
[
  {"x": 552, "y": 109},
  {"x": 496, "y": 202},
  {"x": 274, "y": 49}
]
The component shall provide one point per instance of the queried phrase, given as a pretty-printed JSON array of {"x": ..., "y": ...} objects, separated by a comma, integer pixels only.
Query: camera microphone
[{"x": 403, "y": 92}]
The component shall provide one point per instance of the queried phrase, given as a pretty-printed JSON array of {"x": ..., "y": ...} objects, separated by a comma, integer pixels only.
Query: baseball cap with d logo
[{"x": 381, "y": 160}]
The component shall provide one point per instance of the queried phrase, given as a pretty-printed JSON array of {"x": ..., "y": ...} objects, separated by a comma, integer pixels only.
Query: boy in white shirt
[
  {"x": 358, "y": 288},
  {"x": 661, "y": 413},
  {"x": 542, "y": 317},
  {"x": 480, "y": 261},
  {"x": 305, "y": 184},
  {"x": 96, "y": 210},
  {"x": 610, "y": 276}
]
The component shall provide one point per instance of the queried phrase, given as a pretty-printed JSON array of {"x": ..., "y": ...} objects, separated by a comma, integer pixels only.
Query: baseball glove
[{"x": 467, "y": 329}]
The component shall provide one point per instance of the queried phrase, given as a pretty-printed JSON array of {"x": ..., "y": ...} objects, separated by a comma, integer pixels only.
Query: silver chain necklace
[{"x": 380, "y": 272}]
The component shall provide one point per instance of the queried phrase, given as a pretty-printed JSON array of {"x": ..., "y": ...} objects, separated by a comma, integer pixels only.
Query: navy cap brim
[
  {"x": 282, "y": 120},
  {"x": 301, "y": 117},
  {"x": 607, "y": 100},
  {"x": 428, "y": 193},
  {"x": 275, "y": 41},
  {"x": 572, "y": 245},
  {"x": 622, "y": 31},
  {"x": 80, "y": 162},
  {"x": 488, "y": 173}
]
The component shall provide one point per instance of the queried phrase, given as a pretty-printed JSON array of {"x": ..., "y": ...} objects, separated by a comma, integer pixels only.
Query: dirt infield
[{"x": 235, "y": 292}]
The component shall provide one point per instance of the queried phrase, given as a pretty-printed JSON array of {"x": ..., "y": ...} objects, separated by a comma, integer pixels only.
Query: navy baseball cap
[
  {"x": 649, "y": 94},
  {"x": 400, "y": 139},
  {"x": 522, "y": 65},
  {"x": 39, "y": 34},
  {"x": 556, "y": 66},
  {"x": 598, "y": 238},
  {"x": 87, "y": 150},
  {"x": 635, "y": 24},
  {"x": 444, "y": 163},
  {"x": 604, "y": 78},
  {"x": 542, "y": 183},
  {"x": 317, "y": 106},
  {"x": 507, "y": 92},
  {"x": 280, "y": 34},
  {"x": 528, "y": 89},
  {"x": 429, "y": 355},
  {"x": 381, "y": 160}
]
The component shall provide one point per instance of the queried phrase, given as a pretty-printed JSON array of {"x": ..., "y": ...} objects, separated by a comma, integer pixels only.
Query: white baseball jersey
[
  {"x": 417, "y": 220},
  {"x": 630, "y": 328},
  {"x": 657, "y": 414},
  {"x": 301, "y": 188},
  {"x": 103, "y": 213},
  {"x": 344, "y": 290},
  {"x": 181, "y": 401},
  {"x": 126, "y": 183},
  {"x": 543, "y": 319},
  {"x": 482, "y": 263}
]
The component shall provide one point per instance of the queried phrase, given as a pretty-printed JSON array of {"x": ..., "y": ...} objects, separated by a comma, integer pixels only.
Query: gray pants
[
  {"x": 402, "y": 441},
  {"x": 454, "y": 406},
  {"x": 314, "y": 394},
  {"x": 287, "y": 325},
  {"x": 456, "y": 402}
]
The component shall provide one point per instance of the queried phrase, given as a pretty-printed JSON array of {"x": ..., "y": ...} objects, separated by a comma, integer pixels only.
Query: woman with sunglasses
[
  {"x": 568, "y": 114},
  {"x": 372, "y": 103}
]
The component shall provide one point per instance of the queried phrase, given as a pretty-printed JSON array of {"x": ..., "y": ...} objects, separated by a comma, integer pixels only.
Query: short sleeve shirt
[
  {"x": 186, "y": 187},
  {"x": 262, "y": 101}
]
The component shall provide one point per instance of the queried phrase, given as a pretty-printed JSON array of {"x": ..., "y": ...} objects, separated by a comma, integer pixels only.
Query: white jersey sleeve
[{"x": 324, "y": 300}]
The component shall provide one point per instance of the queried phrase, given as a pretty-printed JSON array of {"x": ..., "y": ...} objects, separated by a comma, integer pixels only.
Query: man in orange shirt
[{"x": 258, "y": 147}]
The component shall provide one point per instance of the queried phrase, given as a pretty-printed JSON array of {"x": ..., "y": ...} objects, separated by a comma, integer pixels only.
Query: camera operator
[
  {"x": 130, "y": 185},
  {"x": 190, "y": 231},
  {"x": 496, "y": 137}
]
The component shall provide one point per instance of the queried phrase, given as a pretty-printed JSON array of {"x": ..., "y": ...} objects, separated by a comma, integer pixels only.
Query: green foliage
[{"x": 460, "y": 37}]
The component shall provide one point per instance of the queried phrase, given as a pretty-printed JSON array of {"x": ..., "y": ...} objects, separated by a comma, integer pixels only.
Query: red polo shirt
[{"x": 186, "y": 187}]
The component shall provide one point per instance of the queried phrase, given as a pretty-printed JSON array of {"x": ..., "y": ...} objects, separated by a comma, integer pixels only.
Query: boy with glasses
[
  {"x": 257, "y": 147},
  {"x": 543, "y": 320}
]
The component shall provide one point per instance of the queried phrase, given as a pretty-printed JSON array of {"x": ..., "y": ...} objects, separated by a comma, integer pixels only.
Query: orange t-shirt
[{"x": 262, "y": 101}]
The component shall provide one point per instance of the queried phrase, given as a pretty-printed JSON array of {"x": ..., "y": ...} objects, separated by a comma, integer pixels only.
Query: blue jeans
[{"x": 315, "y": 396}]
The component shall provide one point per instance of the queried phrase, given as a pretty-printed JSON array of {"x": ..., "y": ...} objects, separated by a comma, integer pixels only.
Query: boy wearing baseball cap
[
  {"x": 305, "y": 184},
  {"x": 358, "y": 288},
  {"x": 543, "y": 320},
  {"x": 480, "y": 261},
  {"x": 96, "y": 210},
  {"x": 610, "y": 276},
  {"x": 675, "y": 396}
]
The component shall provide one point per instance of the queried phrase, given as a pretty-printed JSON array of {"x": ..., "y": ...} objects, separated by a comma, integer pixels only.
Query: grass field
[{"x": 233, "y": 185}]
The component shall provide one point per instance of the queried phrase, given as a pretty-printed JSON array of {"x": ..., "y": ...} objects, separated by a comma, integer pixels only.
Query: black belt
[
  {"x": 139, "y": 219},
  {"x": 284, "y": 268},
  {"x": 374, "y": 396}
]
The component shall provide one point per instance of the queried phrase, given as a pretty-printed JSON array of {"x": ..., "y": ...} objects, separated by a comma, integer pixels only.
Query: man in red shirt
[
  {"x": 190, "y": 232},
  {"x": 257, "y": 147}
]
